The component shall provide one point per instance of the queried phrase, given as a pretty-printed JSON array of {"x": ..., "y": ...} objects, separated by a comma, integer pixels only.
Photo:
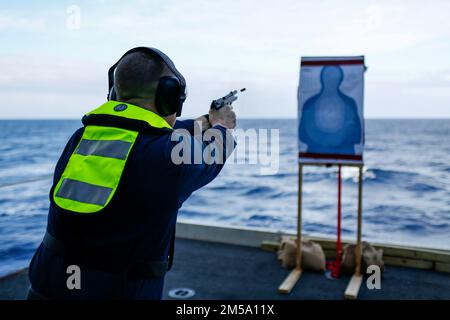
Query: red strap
[{"x": 335, "y": 266}]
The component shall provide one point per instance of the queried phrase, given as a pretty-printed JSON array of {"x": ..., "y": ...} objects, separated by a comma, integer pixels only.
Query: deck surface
[{"x": 222, "y": 271}]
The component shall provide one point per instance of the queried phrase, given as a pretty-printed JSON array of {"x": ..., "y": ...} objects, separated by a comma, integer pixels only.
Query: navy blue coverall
[{"x": 137, "y": 225}]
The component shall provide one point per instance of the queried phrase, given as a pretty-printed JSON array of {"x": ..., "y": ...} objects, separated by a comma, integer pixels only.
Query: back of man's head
[{"x": 136, "y": 77}]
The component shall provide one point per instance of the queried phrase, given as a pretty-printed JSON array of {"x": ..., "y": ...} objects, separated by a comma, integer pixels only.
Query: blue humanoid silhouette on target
[{"x": 329, "y": 122}]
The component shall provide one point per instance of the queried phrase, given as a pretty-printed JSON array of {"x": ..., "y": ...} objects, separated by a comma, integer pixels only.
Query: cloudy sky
[{"x": 51, "y": 67}]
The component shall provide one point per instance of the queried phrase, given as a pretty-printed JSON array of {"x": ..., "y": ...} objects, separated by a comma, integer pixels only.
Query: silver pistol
[{"x": 226, "y": 100}]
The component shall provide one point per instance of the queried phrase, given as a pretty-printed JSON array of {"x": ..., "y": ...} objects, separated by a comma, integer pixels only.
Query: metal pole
[{"x": 338, "y": 244}]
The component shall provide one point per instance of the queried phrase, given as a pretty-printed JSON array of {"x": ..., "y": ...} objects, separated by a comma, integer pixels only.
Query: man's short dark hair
[{"x": 137, "y": 75}]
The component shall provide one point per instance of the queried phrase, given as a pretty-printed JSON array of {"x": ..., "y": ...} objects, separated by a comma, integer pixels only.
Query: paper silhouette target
[{"x": 330, "y": 109}]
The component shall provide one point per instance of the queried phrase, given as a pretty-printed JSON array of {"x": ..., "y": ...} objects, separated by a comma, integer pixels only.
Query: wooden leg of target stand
[
  {"x": 290, "y": 281},
  {"x": 355, "y": 282}
]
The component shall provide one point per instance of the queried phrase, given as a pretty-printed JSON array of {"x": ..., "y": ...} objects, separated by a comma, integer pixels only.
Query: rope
[{"x": 40, "y": 178}]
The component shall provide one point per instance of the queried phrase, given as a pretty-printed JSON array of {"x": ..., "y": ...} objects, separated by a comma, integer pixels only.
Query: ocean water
[{"x": 406, "y": 197}]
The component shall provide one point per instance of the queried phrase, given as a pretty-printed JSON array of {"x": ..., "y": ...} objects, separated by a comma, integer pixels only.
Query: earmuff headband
[{"x": 167, "y": 62}]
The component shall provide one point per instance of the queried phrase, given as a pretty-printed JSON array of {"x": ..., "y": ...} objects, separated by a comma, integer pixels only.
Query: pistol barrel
[{"x": 226, "y": 100}]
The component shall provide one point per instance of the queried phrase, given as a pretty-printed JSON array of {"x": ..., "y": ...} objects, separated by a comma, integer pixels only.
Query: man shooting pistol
[{"x": 117, "y": 190}]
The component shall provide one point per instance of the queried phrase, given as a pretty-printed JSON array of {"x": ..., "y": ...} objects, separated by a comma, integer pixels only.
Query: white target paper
[{"x": 330, "y": 110}]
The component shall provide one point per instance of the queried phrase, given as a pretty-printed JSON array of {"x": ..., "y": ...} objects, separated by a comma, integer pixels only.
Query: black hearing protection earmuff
[{"x": 171, "y": 90}]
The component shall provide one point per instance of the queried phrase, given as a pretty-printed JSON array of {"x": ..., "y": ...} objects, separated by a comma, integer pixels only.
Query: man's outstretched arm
[
  {"x": 189, "y": 124},
  {"x": 203, "y": 156}
]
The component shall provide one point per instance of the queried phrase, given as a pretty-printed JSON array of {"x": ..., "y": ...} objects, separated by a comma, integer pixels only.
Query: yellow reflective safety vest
[{"x": 94, "y": 170}]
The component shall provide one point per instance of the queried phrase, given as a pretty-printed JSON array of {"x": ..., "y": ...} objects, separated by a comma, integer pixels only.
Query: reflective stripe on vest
[
  {"x": 94, "y": 169},
  {"x": 111, "y": 149}
]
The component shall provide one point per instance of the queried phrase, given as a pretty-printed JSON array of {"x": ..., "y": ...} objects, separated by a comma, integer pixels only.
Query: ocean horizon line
[{"x": 240, "y": 118}]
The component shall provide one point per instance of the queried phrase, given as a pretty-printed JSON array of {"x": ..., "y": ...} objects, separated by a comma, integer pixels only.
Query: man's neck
[{"x": 143, "y": 103}]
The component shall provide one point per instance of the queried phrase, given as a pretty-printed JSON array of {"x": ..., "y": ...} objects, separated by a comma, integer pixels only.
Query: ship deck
[{"x": 229, "y": 271}]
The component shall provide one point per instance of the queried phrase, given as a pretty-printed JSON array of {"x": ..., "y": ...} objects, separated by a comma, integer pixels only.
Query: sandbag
[
  {"x": 370, "y": 256},
  {"x": 313, "y": 257}
]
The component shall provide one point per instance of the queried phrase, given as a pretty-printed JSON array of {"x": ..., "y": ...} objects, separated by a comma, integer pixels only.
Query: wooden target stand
[{"x": 355, "y": 282}]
